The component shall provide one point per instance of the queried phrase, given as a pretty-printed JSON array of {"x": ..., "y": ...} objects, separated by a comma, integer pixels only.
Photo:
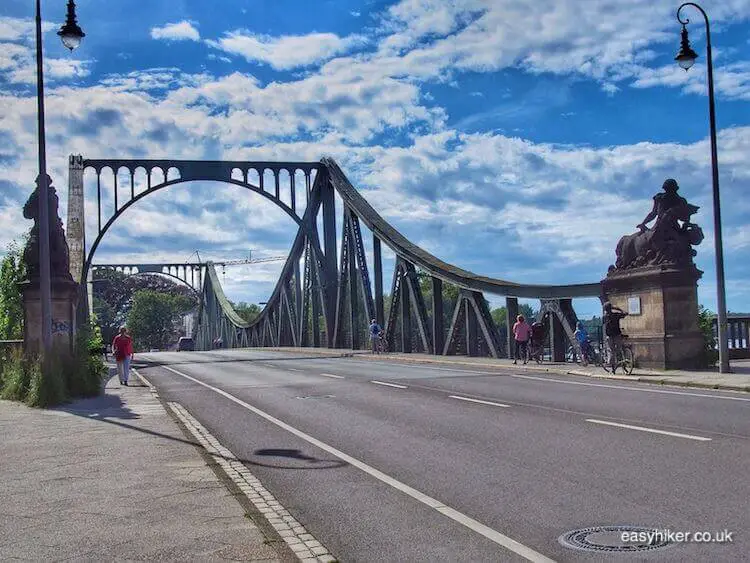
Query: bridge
[{"x": 326, "y": 293}]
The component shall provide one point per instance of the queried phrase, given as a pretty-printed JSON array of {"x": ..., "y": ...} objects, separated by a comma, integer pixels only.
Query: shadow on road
[{"x": 111, "y": 409}]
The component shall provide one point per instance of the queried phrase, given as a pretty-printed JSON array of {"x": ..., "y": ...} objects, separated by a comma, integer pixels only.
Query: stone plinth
[
  {"x": 64, "y": 302},
  {"x": 665, "y": 332}
]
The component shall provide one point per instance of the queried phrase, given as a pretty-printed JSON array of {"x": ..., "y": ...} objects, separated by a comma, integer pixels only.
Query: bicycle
[
  {"x": 624, "y": 359},
  {"x": 382, "y": 344},
  {"x": 590, "y": 355}
]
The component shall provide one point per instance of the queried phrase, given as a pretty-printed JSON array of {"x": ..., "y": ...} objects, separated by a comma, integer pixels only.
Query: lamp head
[
  {"x": 686, "y": 57},
  {"x": 70, "y": 33}
]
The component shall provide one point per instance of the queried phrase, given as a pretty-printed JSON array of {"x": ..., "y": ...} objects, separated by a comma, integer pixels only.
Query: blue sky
[{"x": 515, "y": 138}]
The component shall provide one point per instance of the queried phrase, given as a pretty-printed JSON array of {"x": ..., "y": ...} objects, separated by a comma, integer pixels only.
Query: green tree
[
  {"x": 12, "y": 271},
  {"x": 706, "y": 325},
  {"x": 114, "y": 296},
  {"x": 154, "y": 318},
  {"x": 248, "y": 311}
]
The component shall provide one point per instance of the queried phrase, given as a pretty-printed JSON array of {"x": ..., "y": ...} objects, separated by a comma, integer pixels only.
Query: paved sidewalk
[
  {"x": 114, "y": 478},
  {"x": 738, "y": 380}
]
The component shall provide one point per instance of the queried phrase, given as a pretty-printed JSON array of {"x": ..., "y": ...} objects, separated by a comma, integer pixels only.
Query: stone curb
[
  {"x": 303, "y": 544},
  {"x": 654, "y": 379}
]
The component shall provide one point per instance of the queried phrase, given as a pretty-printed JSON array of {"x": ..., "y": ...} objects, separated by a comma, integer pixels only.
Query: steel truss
[{"x": 327, "y": 294}]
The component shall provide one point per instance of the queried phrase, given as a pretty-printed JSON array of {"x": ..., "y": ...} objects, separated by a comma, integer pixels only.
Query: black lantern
[
  {"x": 70, "y": 33},
  {"x": 686, "y": 57}
]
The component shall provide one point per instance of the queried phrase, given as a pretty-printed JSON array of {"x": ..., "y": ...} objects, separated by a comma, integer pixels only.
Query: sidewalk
[
  {"x": 114, "y": 478},
  {"x": 738, "y": 380}
]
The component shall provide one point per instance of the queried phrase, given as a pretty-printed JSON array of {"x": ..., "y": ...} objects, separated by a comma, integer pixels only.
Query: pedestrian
[
  {"x": 375, "y": 331},
  {"x": 122, "y": 348},
  {"x": 582, "y": 336},
  {"x": 521, "y": 334},
  {"x": 611, "y": 322}
]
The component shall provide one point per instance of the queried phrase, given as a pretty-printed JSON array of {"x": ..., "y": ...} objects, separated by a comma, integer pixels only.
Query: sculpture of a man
[
  {"x": 669, "y": 240},
  {"x": 669, "y": 208},
  {"x": 58, "y": 246}
]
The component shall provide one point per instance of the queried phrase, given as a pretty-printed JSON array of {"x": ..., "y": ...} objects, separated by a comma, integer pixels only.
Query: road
[{"x": 508, "y": 461}]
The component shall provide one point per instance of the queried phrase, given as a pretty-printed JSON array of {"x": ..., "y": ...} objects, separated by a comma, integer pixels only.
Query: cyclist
[
  {"x": 582, "y": 336},
  {"x": 611, "y": 321},
  {"x": 375, "y": 331}
]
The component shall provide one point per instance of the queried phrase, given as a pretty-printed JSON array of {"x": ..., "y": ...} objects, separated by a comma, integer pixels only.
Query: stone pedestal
[
  {"x": 64, "y": 303},
  {"x": 662, "y": 325}
]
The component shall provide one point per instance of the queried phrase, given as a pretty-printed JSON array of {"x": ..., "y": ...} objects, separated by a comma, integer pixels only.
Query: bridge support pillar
[
  {"x": 662, "y": 324},
  {"x": 472, "y": 346},
  {"x": 558, "y": 339},
  {"x": 438, "y": 330},
  {"x": 378, "y": 273},
  {"x": 405, "y": 318},
  {"x": 511, "y": 312}
]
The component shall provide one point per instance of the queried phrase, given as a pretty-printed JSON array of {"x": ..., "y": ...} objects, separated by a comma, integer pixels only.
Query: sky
[{"x": 518, "y": 139}]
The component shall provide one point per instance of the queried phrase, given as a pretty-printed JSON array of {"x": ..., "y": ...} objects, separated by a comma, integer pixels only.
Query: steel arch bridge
[{"x": 326, "y": 295}]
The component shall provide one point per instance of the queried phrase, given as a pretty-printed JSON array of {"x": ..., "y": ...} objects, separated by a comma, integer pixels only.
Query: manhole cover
[{"x": 614, "y": 539}]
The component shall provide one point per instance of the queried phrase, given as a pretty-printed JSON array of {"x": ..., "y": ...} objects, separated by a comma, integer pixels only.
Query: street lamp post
[
  {"x": 71, "y": 36},
  {"x": 685, "y": 58}
]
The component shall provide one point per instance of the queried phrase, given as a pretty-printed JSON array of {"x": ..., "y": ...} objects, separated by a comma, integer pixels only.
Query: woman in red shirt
[
  {"x": 521, "y": 334},
  {"x": 122, "y": 348}
]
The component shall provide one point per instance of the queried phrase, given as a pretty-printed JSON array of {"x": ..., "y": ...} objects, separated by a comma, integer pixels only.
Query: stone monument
[
  {"x": 64, "y": 289},
  {"x": 654, "y": 279}
]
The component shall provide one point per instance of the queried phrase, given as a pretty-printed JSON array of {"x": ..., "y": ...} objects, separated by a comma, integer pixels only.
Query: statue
[
  {"x": 669, "y": 241},
  {"x": 58, "y": 246}
]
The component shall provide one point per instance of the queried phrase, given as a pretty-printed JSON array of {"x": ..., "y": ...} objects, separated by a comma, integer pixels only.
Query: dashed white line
[
  {"x": 478, "y": 401},
  {"x": 623, "y": 388},
  {"x": 452, "y": 513},
  {"x": 294, "y": 369},
  {"x": 389, "y": 384},
  {"x": 652, "y": 430},
  {"x": 332, "y": 375}
]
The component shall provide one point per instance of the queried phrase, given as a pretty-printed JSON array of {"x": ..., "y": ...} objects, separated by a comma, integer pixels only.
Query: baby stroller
[{"x": 538, "y": 336}]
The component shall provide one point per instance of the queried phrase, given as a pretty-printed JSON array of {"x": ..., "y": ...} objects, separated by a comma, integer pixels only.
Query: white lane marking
[
  {"x": 453, "y": 514},
  {"x": 652, "y": 430},
  {"x": 478, "y": 401},
  {"x": 294, "y": 369},
  {"x": 332, "y": 375},
  {"x": 389, "y": 384},
  {"x": 420, "y": 366},
  {"x": 663, "y": 391}
]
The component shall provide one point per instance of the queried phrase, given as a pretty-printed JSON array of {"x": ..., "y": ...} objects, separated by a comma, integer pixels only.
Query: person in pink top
[
  {"x": 521, "y": 334},
  {"x": 122, "y": 348}
]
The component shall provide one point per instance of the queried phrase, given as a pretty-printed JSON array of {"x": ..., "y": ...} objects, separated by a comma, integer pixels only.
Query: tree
[
  {"x": 12, "y": 271},
  {"x": 114, "y": 296},
  {"x": 154, "y": 318},
  {"x": 248, "y": 311},
  {"x": 500, "y": 315}
]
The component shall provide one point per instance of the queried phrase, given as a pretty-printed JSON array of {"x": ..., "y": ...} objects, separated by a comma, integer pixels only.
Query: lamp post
[
  {"x": 71, "y": 36},
  {"x": 685, "y": 58}
]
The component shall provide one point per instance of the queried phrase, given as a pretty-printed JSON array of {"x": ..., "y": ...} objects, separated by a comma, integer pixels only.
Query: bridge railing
[{"x": 738, "y": 336}]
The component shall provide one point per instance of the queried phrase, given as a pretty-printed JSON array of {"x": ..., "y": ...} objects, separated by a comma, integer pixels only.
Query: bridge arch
[{"x": 335, "y": 286}]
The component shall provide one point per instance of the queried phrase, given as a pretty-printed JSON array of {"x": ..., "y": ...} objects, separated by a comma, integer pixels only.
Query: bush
[
  {"x": 15, "y": 377},
  {"x": 706, "y": 325},
  {"x": 47, "y": 379},
  {"x": 57, "y": 377}
]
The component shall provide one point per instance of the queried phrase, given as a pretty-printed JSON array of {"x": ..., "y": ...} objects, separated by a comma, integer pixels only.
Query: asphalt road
[{"x": 502, "y": 457}]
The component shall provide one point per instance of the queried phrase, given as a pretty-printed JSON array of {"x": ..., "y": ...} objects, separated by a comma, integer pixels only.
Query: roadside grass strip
[
  {"x": 478, "y": 401},
  {"x": 651, "y": 430},
  {"x": 294, "y": 534},
  {"x": 389, "y": 384},
  {"x": 491, "y": 534}
]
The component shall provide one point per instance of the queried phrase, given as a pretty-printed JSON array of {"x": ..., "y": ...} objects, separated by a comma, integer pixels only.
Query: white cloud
[
  {"x": 288, "y": 51},
  {"x": 179, "y": 31}
]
